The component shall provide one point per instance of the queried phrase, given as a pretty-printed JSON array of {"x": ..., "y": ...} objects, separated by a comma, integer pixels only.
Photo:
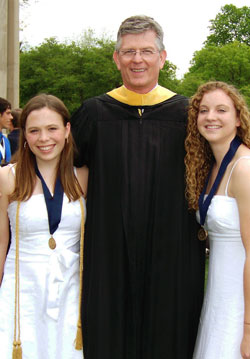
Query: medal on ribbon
[
  {"x": 53, "y": 205},
  {"x": 202, "y": 234},
  {"x": 204, "y": 204}
]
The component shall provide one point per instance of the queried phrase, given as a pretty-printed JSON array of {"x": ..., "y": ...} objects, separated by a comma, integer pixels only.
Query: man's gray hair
[{"x": 138, "y": 24}]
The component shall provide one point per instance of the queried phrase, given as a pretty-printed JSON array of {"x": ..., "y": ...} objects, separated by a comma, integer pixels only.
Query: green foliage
[
  {"x": 189, "y": 84},
  {"x": 231, "y": 24},
  {"x": 226, "y": 54},
  {"x": 167, "y": 76},
  {"x": 245, "y": 90},
  {"x": 46, "y": 68},
  {"x": 229, "y": 63},
  {"x": 73, "y": 72}
]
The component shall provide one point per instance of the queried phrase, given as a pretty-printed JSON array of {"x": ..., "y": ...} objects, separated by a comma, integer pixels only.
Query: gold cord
[
  {"x": 79, "y": 340},
  {"x": 17, "y": 349}
]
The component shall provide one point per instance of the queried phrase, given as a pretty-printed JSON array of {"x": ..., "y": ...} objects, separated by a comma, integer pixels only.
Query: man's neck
[{"x": 141, "y": 92}]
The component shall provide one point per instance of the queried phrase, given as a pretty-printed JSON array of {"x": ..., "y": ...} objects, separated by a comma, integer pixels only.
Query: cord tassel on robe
[
  {"x": 79, "y": 340},
  {"x": 17, "y": 349}
]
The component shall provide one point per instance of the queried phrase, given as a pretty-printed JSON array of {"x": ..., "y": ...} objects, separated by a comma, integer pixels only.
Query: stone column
[
  {"x": 3, "y": 47},
  {"x": 13, "y": 53}
]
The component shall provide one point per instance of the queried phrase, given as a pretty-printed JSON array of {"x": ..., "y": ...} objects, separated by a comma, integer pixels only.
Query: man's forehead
[
  {"x": 148, "y": 36},
  {"x": 144, "y": 33}
]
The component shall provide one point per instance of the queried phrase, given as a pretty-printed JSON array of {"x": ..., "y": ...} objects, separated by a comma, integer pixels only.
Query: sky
[{"x": 185, "y": 22}]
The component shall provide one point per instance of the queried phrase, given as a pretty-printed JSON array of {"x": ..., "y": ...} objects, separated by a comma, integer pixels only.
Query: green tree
[
  {"x": 189, "y": 84},
  {"x": 47, "y": 68},
  {"x": 167, "y": 76},
  {"x": 231, "y": 24},
  {"x": 71, "y": 72},
  {"x": 229, "y": 63}
]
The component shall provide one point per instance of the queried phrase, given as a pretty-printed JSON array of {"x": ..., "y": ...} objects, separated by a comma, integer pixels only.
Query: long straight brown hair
[{"x": 25, "y": 177}]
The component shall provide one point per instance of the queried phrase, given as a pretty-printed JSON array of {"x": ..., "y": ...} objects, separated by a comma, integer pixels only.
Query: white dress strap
[
  {"x": 235, "y": 163},
  {"x": 12, "y": 168}
]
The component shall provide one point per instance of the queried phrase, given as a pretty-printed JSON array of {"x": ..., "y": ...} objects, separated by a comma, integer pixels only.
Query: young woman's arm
[
  {"x": 240, "y": 185},
  {"x": 6, "y": 187}
]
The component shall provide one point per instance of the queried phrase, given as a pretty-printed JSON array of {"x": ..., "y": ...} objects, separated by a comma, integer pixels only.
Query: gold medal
[
  {"x": 202, "y": 234},
  {"x": 52, "y": 243}
]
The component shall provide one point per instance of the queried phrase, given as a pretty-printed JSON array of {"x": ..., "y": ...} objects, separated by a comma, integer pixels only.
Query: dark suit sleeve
[{"x": 83, "y": 129}]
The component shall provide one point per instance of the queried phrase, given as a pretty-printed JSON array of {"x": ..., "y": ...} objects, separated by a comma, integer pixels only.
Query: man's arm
[{"x": 83, "y": 124}]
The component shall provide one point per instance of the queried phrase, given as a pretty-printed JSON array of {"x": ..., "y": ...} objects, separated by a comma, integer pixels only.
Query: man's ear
[
  {"x": 163, "y": 56},
  {"x": 116, "y": 59}
]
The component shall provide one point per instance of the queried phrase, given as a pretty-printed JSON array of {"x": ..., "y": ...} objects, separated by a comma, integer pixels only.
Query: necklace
[
  {"x": 204, "y": 204},
  {"x": 53, "y": 205}
]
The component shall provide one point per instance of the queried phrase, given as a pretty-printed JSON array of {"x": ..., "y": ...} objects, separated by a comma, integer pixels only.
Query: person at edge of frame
[
  {"x": 14, "y": 134},
  {"x": 218, "y": 169},
  {"x": 5, "y": 122}
]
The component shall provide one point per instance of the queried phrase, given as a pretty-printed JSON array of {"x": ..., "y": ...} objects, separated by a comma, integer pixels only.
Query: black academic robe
[{"x": 143, "y": 264}]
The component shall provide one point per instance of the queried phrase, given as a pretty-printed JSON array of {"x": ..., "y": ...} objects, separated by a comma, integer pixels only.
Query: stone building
[{"x": 9, "y": 51}]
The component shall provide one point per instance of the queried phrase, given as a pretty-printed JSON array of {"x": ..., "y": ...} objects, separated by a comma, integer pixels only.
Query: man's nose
[{"x": 137, "y": 56}]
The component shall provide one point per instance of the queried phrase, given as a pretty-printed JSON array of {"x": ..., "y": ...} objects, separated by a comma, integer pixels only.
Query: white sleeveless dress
[
  {"x": 49, "y": 283},
  {"x": 221, "y": 323}
]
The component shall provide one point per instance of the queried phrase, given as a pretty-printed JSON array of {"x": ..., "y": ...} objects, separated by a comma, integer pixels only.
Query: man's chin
[{"x": 140, "y": 87}]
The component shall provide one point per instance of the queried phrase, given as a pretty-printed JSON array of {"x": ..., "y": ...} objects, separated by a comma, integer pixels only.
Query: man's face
[
  {"x": 140, "y": 71},
  {"x": 5, "y": 119}
]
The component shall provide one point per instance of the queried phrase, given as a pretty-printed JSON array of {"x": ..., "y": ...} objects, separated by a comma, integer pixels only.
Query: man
[
  {"x": 13, "y": 136},
  {"x": 5, "y": 122},
  {"x": 143, "y": 263}
]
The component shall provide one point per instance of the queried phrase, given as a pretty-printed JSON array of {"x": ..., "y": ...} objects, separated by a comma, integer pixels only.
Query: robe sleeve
[{"x": 83, "y": 127}]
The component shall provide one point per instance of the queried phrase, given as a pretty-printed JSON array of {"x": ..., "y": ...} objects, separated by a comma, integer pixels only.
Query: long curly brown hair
[{"x": 199, "y": 156}]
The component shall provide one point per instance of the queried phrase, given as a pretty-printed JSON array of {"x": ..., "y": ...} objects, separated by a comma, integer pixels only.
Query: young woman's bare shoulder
[
  {"x": 242, "y": 167},
  {"x": 240, "y": 180},
  {"x": 7, "y": 180}
]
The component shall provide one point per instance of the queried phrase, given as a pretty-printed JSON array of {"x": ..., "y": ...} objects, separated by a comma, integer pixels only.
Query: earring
[{"x": 25, "y": 143}]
